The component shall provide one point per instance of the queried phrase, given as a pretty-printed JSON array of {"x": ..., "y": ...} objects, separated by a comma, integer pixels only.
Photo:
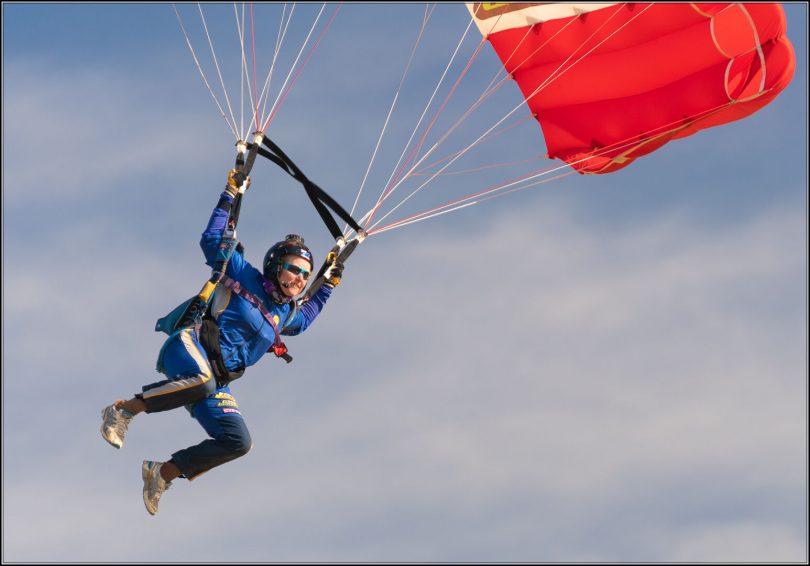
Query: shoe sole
[
  {"x": 145, "y": 475},
  {"x": 110, "y": 442}
]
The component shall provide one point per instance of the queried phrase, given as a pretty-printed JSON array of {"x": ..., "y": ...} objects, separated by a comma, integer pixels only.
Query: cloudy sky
[{"x": 594, "y": 369}]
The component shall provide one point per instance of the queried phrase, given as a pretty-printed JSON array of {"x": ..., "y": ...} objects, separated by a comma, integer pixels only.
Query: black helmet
[{"x": 292, "y": 244}]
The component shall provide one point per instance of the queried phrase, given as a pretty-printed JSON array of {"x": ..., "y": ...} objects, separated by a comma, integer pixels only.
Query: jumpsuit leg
[
  {"x": 220, "y": 417},
  {"x": 189, "y": 373}
]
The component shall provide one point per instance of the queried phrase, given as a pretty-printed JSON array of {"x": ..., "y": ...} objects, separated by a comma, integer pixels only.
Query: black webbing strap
[
  {"x": 342, "y": 254},
  {"x": 208, "y": 335},
  {"x": 320, "y": 199},
  {"x": 197, "y": 306},
  {"x": 244, "y": 163}
]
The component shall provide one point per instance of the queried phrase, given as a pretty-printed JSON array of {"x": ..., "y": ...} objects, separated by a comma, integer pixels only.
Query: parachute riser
[
  {"x": 320, "y": 199},
  {"x": 192, "y": 316},
  {"x": 341, "y": 250},
  {"x": 323, "y": 203},
  {"x": 245, "y": 157}
]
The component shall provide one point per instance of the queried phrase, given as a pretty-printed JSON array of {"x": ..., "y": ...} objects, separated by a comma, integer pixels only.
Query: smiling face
[{"x": 291, "y": 283}]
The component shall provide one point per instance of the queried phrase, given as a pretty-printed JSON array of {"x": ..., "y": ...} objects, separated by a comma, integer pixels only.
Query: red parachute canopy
[{"x": 612, "y": 82}]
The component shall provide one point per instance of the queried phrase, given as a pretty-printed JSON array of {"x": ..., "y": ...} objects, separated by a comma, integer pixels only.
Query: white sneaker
[
  {"x": 115, "y": 424},
  {"x": 153, "y": 485}
]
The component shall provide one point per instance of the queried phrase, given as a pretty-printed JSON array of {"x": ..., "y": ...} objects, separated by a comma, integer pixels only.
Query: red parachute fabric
[{"x": 612, "y": 82}]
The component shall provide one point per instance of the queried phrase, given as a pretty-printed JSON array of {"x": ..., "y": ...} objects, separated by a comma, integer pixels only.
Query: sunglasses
[{"x": 295, "y": 270}]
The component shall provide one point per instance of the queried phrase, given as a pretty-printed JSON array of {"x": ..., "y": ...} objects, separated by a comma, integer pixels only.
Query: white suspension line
[
  {"x": 475, "y": 198},
  {"x": 537, "y": 90},
  {"x": 516, "y": 184},
  {"x": 485, "y": 167},
  {"x": 462, "y": 152},
  {"x": 292, "y": 68},
  {"x": 246, "y": 74},
  {"x": 502, "y": 68},
  {"x": 490, "y": 89},
  {"x": 466, "y": 114},
  {"x": 425, "y": 19},
  {"x": 487, "y": 138},
  {"x": 284, "y": 25},
  {"x": 563, "y": 69},
  {"x": 495, "y": 83},
  {"x": 437, "y": 144},
  {"x": 371, "y": 161},
  {"x": 244, "y": 77},
  {"x": 385, "y": 194},
  {"x": 202, "y": 74},
  {"x": 368, "y": 215},
  {"x": 216, "y": 63},
  {"x": 413, "y": 221}
]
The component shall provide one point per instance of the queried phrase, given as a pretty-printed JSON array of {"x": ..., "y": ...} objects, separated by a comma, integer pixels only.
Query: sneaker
[
  {"x": 153, "y": 485},
  {"x": 115, "y": 424}
]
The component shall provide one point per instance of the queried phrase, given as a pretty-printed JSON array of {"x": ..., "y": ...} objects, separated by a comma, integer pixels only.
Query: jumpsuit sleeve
[
  {"x": 308, "y": 312},
  {"x": 212, "y": 236}
]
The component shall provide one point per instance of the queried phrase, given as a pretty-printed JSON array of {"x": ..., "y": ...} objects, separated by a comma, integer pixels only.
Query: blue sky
[{"x": 598, "y": 369}]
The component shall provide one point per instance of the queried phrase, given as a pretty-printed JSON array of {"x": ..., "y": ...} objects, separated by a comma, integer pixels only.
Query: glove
[
  {"x": 334, "y": 272},
  {"x": 237, "y": 182}
]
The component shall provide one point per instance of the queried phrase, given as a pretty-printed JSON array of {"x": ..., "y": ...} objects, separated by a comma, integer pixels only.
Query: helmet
[{"x": 292, "y": 244}]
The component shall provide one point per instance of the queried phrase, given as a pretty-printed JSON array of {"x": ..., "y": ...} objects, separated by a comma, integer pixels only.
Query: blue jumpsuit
[{"x": 244, "y": 337}]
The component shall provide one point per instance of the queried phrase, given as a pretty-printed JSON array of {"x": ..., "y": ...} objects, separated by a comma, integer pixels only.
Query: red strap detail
[{"x": 278, "y": 347}]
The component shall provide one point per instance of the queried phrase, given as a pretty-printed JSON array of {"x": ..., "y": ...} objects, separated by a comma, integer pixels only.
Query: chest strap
[{"x": 278, "y": 347}]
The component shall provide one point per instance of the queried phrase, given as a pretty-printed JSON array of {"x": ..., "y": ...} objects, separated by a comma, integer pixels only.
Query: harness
[
  {"x": 208, "y": 334},
  {"x": 196, "y": 311},
  {"x": 208, "y": 331},
  {"x": 278, "y": 348}
]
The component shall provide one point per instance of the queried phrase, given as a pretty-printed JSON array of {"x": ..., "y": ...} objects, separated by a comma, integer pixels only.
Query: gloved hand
[
  {"x": 236, "y": 180},
  {"x": 334, "y": 272}
]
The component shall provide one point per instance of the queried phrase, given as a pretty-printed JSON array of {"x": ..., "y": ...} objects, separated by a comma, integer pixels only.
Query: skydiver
[{"x": 199, "y": 362}]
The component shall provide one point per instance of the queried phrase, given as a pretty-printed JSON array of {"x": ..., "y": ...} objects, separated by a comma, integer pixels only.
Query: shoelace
[
  {"x": 121, "y": 423},
  {"x": 155, "y": 491}
]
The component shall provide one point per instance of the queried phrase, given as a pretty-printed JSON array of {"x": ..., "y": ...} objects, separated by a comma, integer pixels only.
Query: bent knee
[
  {"x": 243, "y": 446},
  {"x": 236, "y": 437},
  {"x": 238, "y": 446}
]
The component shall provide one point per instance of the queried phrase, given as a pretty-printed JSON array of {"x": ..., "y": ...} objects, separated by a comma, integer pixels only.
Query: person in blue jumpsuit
[{"x": 249, "y": 310}]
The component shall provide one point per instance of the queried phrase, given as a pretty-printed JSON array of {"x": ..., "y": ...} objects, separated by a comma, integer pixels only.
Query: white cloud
[
  {"x": 742, "y": 541},
  {"x": 473, "y": 381},
  {"x": 561, "y": 411},
  {"x": 82, "y": 134}
]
